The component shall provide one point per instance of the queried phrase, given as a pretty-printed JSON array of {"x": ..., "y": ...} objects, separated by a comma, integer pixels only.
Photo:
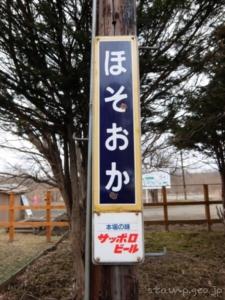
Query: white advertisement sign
[
  {"x": 156, "y": 180},
  {"x": 118, "y": 238}
]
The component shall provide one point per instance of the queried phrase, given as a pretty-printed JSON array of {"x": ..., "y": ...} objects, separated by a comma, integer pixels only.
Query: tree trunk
[
  {"x": 116, "y": 17},
  {"x": 73, "y": 189},
  {"x": 78, "y": 255},
  {"x": 77, "y": 215}
]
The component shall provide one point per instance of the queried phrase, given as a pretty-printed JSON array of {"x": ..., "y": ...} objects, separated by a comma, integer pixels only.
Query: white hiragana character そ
[
  {"x": 113, "y": 62},
  {"x": 117, "y": 97},
  {"x": 117, "y": 133},
  {"x": 116, "y": 178}
]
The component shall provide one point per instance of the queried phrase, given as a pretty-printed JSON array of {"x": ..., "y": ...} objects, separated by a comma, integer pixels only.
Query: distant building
[{"x": 5, "y": 190}]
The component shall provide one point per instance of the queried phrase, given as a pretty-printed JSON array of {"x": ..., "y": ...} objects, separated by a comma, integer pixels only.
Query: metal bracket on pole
[
  {"x": 80, "y": 139},
  {"x": 156, "y": 254}
]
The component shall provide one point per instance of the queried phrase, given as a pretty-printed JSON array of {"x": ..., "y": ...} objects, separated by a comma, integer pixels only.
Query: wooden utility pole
[{"x": 115, "y": 17}]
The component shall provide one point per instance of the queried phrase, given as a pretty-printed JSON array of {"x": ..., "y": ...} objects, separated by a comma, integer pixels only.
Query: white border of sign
[{"x": 118, "y": 238}]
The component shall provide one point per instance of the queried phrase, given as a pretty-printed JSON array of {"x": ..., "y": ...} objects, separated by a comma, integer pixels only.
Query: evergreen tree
[
  {"x": 202, "y": 126},
  {"x": 44, "y": 80}
]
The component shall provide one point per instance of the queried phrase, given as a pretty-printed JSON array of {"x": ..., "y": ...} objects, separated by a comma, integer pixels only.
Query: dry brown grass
[
  {"x": 192, "y": 269},
  {"x": 14, "y": 255}
]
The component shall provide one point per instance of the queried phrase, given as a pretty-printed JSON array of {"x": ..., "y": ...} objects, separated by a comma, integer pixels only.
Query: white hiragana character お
[
  {"x": 116, "y": 178},
  {"x": 116, "y": 97},
  {"x": 113, "y": 62},
  {"x": 117, "y": 133}
]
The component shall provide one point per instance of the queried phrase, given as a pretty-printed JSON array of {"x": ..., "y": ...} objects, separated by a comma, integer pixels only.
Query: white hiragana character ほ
[
  {"x": 116, "y": 178},
  {"x": 117, "y": 133},
  {"x": 116, "y": 97},
  {"x": 113, "y": 62}
]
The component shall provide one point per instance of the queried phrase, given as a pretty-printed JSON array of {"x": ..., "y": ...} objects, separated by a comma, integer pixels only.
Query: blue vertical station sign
[{"x": 116, "y": 125}]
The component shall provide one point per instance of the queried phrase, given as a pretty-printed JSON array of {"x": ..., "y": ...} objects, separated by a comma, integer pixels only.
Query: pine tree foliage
[
  {"x": 202, "y": 126},
  {"x": 174, "y": 36}
]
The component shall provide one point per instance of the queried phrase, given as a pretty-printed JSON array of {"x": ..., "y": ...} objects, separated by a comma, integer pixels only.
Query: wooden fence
[
  {"x": 48, "y": 223},
  {"x": 165, "y": 204}
]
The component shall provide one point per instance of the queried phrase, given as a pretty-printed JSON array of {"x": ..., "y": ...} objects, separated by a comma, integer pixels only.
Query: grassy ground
[
  {"x": 49, "y": 278},
  {"x": 194, "y": 268},
  {"x": 15, "y": 255}
]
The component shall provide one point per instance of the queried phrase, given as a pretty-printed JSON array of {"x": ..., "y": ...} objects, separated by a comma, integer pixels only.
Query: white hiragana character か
[
  {"x": 113, "y": 62},
  {"x": 116, "y": 97},
  {"x": 117, "y": 133},
  {"x": 116, "y": 178}
]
